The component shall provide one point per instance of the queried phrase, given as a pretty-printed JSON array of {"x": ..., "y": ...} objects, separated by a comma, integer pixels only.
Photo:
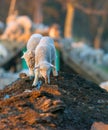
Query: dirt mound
[{"x": 69, "y": 103}]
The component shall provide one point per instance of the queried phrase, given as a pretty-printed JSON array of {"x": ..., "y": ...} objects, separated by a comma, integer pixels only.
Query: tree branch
[{"x": 91, "y": 11}]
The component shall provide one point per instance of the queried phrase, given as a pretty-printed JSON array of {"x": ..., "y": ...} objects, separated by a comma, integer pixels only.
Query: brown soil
[{"x": 69, "y": 103}]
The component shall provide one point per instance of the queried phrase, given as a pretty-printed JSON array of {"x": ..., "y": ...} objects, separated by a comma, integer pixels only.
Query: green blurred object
[
  {"x": 57, "y": 59},
  {"x": 24, "y": 65}
]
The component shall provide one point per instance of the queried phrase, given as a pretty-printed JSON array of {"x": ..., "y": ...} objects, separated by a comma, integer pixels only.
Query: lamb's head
[
  {"x": 45, "y": 70},
  {"x": 29, "y": 57}
]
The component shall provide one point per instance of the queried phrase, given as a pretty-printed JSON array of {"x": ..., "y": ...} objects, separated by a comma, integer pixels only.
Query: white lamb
[
  {"x": 29, "y": 55},
  {"x": 45, "y": 56}
]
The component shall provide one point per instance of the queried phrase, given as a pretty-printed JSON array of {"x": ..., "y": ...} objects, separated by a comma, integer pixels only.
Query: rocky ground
[{"x": 69, "y": 103}]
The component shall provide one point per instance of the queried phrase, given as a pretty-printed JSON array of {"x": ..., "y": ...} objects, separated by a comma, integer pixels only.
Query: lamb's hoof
[
  {"x": 55, "y": 74},
  {"x": 34, "y": 84},
  {"x": 38, "y": 85}
]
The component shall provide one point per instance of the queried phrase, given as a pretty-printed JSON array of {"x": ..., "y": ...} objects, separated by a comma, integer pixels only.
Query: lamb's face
[
  {"x": 30, "y": 61},
  {"x": 45, "y": 70}
]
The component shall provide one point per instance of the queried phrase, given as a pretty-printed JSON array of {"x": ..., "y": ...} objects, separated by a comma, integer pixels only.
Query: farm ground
[{"x": 69, "y": 103}]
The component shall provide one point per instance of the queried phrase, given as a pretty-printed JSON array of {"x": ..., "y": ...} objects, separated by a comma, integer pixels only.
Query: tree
[
  {"x": 12, "y": 7},
  {"x": 97, "y": 9},
  {"x": 38, "y": 11},
  {"x": 69, "y": 20}
]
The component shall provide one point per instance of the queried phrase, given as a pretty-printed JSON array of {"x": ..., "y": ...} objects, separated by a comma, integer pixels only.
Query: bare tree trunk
[
  {"x": 100, "y": 30},
  {"x": 69, "y": 20},
  {"x": 38, "y": 15},
  {"x": 12, "y": 7}
]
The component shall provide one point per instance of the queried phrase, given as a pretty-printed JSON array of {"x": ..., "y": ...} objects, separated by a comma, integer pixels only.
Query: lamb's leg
[
  {"x": 48, "y": 78},
  {"x": 55, "y": 73},
  {"x": 35, "y": 82},
  {"x": 31, "y": 72}
]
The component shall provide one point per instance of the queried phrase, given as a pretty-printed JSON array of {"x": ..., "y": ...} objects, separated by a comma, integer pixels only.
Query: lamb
[
  {"x": 45, "y": 56},
  {"x": 29, "y": 55}
]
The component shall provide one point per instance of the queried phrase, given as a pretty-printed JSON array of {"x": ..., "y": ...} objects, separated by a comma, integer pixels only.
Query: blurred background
[
  {"x": 79, "y": 27},
  {"x": 88, "y": 18}
]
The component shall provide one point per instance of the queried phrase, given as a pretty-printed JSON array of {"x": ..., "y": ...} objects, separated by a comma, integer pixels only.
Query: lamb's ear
[
  {"x": 30, "y": 52},
  {"x": 52, "y": 66},
  {"x": 36, "y": 67},
  {"x": 23, "y": 55}
]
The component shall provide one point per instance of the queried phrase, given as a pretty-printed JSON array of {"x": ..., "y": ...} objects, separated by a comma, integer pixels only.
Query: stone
[{"x": 99, "y": 126}]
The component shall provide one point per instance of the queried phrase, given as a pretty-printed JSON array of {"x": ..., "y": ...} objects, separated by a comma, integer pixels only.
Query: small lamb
[
  {"x": 29, "y": 55},
  {"x": 45, "y": 56}
]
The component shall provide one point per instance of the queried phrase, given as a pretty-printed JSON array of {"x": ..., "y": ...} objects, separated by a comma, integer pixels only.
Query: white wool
[
  {"x": 29, "y": 55},
  {"x": 46, "y": 40},
  {"x": 33, "y": 41},
  {"x": 45, "y": 56},
  {"x": 45, "y": 50}
]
